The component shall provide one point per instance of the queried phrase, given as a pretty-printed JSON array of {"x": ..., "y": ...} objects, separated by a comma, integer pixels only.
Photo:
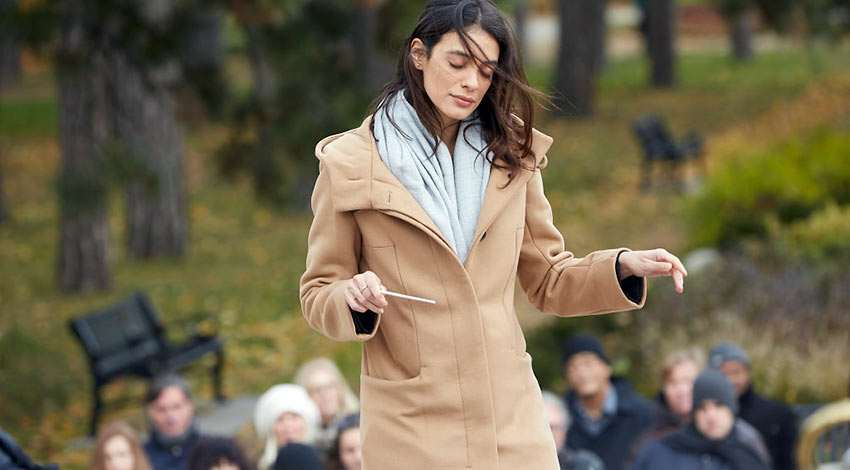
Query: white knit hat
[{"x": 280, "y": 399}]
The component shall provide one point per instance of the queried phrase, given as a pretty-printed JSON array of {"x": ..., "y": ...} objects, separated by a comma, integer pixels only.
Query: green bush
[{"x": 779, "y": 186}]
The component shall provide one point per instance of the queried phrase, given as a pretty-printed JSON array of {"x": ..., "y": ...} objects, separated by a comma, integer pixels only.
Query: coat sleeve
[
  {"x": 556, "y": 281},
  {"x": 333, "y": 251}
]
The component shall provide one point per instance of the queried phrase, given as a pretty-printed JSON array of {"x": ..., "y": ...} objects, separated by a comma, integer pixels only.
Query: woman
[
  {"x": 345, "y": 452},
  {"x": 331, "y": 394},
  {"x": 438, "y": 195},
  {"x": 284, "y": 414},
  {"x": 118, "y": 448}
]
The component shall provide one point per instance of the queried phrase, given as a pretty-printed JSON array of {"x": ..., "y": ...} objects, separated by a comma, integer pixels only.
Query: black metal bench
[
  {"x": 659, "y": 147},
  {"x": 127, "y": 339}
]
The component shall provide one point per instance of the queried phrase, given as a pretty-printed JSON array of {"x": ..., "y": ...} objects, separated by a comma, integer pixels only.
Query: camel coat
[{"x": 446, "y": 386}]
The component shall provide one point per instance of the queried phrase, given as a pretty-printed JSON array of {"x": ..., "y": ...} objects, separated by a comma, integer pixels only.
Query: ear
[{"x": 417, "y": 53}]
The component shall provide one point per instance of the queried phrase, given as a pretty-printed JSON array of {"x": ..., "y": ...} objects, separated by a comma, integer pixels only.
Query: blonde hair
[
  {"x": 692, "y": 355},
  {"x": 119, "y": 428},
  {"x": 348, "y": 401}
]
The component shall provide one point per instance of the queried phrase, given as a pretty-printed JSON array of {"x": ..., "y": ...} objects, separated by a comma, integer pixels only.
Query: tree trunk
[
  {"x": 10, "y": 55},
  {"x": 520, "y": 18},
  {"x": 742, "y": 29},
  {"x": 577, "y": 59},
  {"x": 147, "y": 126},
  {"x": 83, "y": 261},
  {"x": 152, "y": 139},
  {"x": 594, "y": 15},
  {"x": 661, "y": 42}
]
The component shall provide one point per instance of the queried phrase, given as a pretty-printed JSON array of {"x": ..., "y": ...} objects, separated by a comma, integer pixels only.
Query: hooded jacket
[{"x": 447, "y": 386}]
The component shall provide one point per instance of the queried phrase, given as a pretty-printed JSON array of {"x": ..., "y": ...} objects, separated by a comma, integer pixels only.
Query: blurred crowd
[{"x": 706, "y": 415}]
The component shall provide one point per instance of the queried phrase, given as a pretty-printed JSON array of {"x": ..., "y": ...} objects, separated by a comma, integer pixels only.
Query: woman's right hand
[{"x": 363, "y": 292}]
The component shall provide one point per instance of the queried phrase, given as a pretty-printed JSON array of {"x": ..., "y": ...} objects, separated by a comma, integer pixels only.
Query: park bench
[
  {"x": 660, "y": 148},
  {"x": 127, "y": 339}
]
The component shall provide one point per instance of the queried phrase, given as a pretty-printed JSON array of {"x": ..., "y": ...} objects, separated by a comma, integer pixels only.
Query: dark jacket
[
  {"x": 633, "y": 417},
  {"x": 170, "y": 457},
  {"x": 661, "y": 455},
  {"x": 664, "y": 423},
  {"x": 569, "y": 459},
  {"x": 776, "y": 423}
]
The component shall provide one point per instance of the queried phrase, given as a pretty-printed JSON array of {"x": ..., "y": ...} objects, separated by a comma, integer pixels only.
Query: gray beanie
[
  {"x": 712, "y": 385},
  {"x": 727, "y": 351}
]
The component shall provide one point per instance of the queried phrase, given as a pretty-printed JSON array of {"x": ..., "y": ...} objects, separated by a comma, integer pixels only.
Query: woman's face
[
  {"x": 454, "y": 81},
  {"x": 117, "y": 454},
  {"x": 325, "y": 392},
  {"x": 679, "y": 386},
  {"x": 290, "y": 427},
  {"x": 349, "y": 449}
]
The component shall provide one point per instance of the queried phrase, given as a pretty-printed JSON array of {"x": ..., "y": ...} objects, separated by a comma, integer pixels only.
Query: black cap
[
  {"x": 712, "y": 385},
  {"x": 295, "y": 456},
  {"x": 582, "y": 343}
]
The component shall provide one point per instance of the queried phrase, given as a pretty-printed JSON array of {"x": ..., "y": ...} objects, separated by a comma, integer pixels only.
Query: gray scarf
[{"x": 449, "y": 187}]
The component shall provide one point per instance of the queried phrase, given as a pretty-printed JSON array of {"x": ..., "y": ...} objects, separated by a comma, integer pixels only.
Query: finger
[
  {"x": 374, "y": 293},
  {"x": 353, "y": 303},
  {"x": 659, "y": 268},
  {"x": 678, "y": 265},
  {"x": 678, "y": 281}
]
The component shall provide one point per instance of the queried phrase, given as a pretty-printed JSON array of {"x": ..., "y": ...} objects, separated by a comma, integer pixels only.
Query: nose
[{"x": 470, "y": 80}]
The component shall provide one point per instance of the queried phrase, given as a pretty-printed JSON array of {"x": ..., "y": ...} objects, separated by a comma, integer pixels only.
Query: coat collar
[{"x": 360, "y": 180}]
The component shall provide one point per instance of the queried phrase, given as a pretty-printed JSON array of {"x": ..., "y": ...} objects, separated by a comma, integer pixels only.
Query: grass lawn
[{"x": 245, "y": 259}]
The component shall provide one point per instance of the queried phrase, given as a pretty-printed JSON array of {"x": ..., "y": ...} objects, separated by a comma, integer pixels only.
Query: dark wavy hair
[
  {"x": 334, "y": 462},
  {"x": 507, "y": 110},
  {"x": 210, "y": 451}
]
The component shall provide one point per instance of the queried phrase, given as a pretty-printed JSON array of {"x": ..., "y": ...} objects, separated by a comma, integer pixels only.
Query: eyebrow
[{"x": 465, "y": 55}]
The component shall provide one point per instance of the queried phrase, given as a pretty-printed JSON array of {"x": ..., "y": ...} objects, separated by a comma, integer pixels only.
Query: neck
[
  {"x": 594, "y": 403},
  {"x": 449, "y": 134}
]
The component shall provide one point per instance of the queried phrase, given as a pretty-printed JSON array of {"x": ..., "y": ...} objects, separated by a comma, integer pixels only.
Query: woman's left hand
[{"x": 653, "y": 263}]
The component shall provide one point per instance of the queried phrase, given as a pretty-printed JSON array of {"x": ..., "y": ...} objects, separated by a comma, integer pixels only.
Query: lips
[{"x": 463, "y": 101}]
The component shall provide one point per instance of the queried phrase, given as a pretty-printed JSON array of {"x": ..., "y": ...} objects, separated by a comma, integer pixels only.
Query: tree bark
[
  {"x": 83, "y": 261},
  {"x": 661, "y": 43},
  {"x": 742, "y": 29},
  {"x": 520, "y": 19},
  {"x": 577, "y": 56},
  {"x": 152, "y": 138},
  {"x": 10, "y": 54}
]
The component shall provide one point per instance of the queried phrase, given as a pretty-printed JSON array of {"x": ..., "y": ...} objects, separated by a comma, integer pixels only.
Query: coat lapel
[{"x": 360, "y": 180}]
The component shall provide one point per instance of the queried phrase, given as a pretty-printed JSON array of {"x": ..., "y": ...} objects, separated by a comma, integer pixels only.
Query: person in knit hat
[
  {"x": 607, "y": 414},
  {"x": 295, "y": 456},
  {"x": 776, "y": 422},
  {"x": 714, "y": 439},
  {"x": 284, "y": 414}
]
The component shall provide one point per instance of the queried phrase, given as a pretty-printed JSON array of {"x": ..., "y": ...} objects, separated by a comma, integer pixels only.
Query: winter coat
[
  {"x": 776, "y": 423},
  {"x": 658, "y": 455},
  {"x": 446, "y": 386},
  {"x": 170, "y": 457},
  {"x": 633, "y": 417}
]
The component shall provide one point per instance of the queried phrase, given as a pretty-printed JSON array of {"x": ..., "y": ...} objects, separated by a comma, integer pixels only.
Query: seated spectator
[
  {"x": 118, "y": 448},
  {"x": 344, "y": 453},
  {"x": 284, "y": 414},
  {"x": 331, "y": 394},
  {"x": 559, "y": 422},
  {"x": 218, "y": 453},
  {"x": 673, "y": 404},
  {"x": 774, "y": 420},
  {"x": 295, "y": 456},
  {"x": 713, "y": 440},
  {"x": 171, "y": 415},
  {"x": 12, "y": 457},
  {"x": 607, "y": 414}
]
